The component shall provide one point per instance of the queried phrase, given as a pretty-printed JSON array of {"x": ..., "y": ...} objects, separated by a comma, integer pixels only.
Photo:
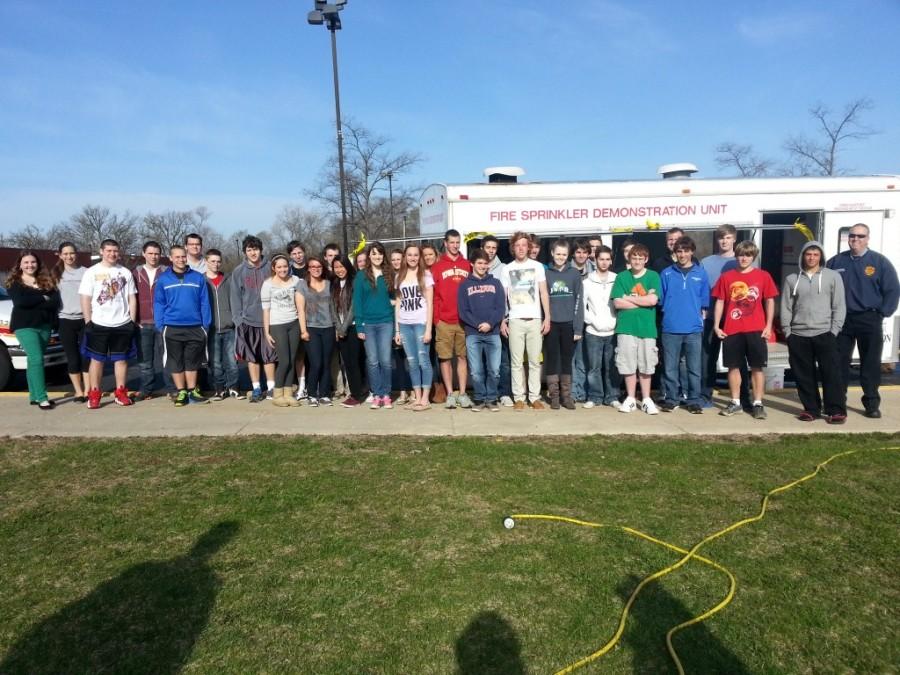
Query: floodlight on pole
[{"x": 327, "y": 13}]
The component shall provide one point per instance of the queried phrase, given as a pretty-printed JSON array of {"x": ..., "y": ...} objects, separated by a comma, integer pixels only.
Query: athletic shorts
[
  {"x": 636, "y": 355},
  {"x": 184, "y": 348},
  {"x": 739, "y": 347},
  {"x": 250, "y": 345},
  {"x": 109, "y": 343},
  {"x": 449, "y": 341}
]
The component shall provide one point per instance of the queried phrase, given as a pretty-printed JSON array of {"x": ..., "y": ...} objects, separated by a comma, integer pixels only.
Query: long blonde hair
[{"x": 420, "y": 269}]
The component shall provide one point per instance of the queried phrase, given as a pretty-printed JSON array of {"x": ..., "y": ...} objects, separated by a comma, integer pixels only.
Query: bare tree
[
  {"x": 743, "y": 159},
  {"x": 372, "y": 172},
  {"x": 296, "y": 223},
  {"x": 169, "y": 228},
  {"x": 32, "y": 237},
  {"x": 819, "y": 156}
]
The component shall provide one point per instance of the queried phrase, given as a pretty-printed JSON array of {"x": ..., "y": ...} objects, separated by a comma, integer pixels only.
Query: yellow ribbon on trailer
[
  {"x": 808, "y": 233},
  {"x": 361, "y": 247}
]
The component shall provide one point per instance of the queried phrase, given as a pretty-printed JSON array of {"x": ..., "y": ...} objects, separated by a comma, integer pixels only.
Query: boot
[
  {"x": 565, "y": 385},
  {"x": 288, "y": 393},
  {"x": 438, "y": 393},
  {"x": 553, "y": 391},
  {"x": 278, "y": 398}
]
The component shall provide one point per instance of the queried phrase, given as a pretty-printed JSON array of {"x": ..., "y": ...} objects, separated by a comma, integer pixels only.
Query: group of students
[{"x": 590, "y": 331}]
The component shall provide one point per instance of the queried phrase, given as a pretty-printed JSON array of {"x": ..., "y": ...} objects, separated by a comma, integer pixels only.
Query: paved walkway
[{"x": 158, "y": 417}]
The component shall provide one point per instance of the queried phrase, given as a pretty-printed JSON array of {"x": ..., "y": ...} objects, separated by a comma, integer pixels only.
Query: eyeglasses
[{"x": 856, "y": 236}]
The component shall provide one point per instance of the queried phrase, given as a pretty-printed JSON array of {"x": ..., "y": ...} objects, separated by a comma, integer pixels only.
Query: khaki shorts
[
  {"x": 450, "y": 341},
  {"x": 636, "y": 355}
]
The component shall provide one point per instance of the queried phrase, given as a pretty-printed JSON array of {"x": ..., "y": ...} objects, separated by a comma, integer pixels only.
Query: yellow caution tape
[{"x": 686, "y": 556}]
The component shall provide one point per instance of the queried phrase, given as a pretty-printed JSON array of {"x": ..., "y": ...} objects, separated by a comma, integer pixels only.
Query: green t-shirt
[{"x": 639, "y": 321}]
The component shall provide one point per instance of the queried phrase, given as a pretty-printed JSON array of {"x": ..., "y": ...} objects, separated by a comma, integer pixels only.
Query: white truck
[{"x": 771, "y": 211}]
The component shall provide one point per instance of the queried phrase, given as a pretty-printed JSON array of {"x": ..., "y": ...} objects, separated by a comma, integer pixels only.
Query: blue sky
[{"x": 172, "y": 105}]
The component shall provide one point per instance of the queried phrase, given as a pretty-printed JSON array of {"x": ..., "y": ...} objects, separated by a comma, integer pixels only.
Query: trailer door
[{"x": 837, "y": 226}]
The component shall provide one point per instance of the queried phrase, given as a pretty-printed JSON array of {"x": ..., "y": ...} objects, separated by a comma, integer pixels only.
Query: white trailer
[{"x": 767, "y": 210}]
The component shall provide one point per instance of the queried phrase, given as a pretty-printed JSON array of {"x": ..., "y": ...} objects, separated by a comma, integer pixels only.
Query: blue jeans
[
  {"x": 580, "y": 382},
  {"x": 505, "y": 386},
  {"x": 483, "y": 348},
  {"x": 603, "y": 380},
  {"x": 690, "y": 345},
  {"x": 150, "y": 355},
  {"x": 223, "y": 367},
  {"x": 378, "y": 356},
  {"x": 417, "y": 356}
]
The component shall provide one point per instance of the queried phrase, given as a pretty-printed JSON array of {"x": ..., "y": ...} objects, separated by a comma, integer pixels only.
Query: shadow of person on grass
[
  {"x": 489, "y": 646},
  {"x": 652, "y": 615},
  {"x": 145, "y": 620}
]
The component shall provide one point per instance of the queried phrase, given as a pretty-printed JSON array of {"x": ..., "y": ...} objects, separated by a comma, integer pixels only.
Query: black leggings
[
  {"x": 71, "y": 332},
  {"x": 287, "y": 337},
  {"x": 350, "y": 349},
  {"x": 559, "y": 348},
  {"x": 318, "y": 352}
]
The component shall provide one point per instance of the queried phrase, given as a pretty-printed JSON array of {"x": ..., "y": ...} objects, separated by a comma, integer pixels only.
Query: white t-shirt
[
  {"x": 413, "y": 308},
  {"x": 110, "y": 289},
  {"x": 522, "y": 283},
  {"x": 280, "y": 302}
]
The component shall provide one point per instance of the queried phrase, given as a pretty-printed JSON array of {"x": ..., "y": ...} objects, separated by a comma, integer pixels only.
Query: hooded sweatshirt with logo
[
  {"x": 813, "y": 304},
  {"x": 448, "y": 277},
  {"x": 246, "y": 284}
]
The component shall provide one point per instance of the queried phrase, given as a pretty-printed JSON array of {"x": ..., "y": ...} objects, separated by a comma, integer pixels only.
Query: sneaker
[
  {"x": 370, "y": 398},
  {"x": 649, "y": 407},
  {"x": 256, "y": 396},
  {"x": 270, "y": 394},
  {"x": 629, "y": 405},
  {"x": 615, "y": 403},
  {"x": 694, "y": 408},
  {"x": 349, "y": 402},
  {"x": 142, "y": 396},
  {"x": 759, "y": 412},
  {"x": 538, "y": 405},
  {"x": 707, "y": 403},
  {"x": 506, "y": 401},
  {"x": 464, "y": 400},
  {"x": 219, "y": 396},
  {"x": 386, "y": 402},
  {"x": 120, "y": 396},
  {"x": 235, "y": 394},
  {"x": 476, "y": 406},
  {"x": 451, "y": 402},
  {"x": 402, "y": 398},
  {"x": 181, "y": 399},
  {"x": 196, "y": 396},
  {"x": 837, "y": 418},
  {"x": 667, "y": 406},
  {"x": 807, "y": 416},
  {"x": 519, "y": 406},
  {"x": 731, "y": 409},
  {"x": 93, "y": 399},
  {"x": 301, "y": 394},
  {"x": 588, "y": 405},
  {"x": 375, "y": 403},
  {"x": 313, "y": 402},
  {"x": 325, "y": 401},
  {"x": 493, "y": 406}
]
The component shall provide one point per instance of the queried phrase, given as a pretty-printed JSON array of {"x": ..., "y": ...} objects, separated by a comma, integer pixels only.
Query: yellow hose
[{"x": 687, "y": 554}]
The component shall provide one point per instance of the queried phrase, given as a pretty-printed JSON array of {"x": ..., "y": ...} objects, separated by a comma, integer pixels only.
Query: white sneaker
[
  {"x": 649, "y": 407},
  {"x": 506, "y": 401},
  {"x": 588, "y": 405},
  {"x": 451, "y": 402},
  {"x": 629, "y": 405},
  {"x": 270, "y": 394},
  {"x": 370, "y": 397}
]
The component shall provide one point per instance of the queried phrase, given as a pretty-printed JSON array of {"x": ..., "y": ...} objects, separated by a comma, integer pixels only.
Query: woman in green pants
[{"x": 35, "y": 309}]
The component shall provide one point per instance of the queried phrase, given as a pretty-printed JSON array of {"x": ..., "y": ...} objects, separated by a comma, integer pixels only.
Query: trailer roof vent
[
  {"x": 503, "y": 174},
  {"x": 677, "y": 170}
]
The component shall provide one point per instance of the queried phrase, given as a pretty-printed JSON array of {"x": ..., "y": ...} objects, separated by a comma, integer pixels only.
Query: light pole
[
  {"x": 390, "y": 177},
  {"x": 327, "y": 13}
]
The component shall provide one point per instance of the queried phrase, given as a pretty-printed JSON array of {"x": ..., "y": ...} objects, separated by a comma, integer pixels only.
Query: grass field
[{"x": 371, "y": 555}]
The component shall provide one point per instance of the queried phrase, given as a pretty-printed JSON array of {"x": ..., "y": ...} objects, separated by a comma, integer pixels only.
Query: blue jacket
[
  {"x": 870, "y": 282},
  {"x": 181, "y": 301},
  {"x": 685, "y": 293},
  {"x": 480, "y": 301}
]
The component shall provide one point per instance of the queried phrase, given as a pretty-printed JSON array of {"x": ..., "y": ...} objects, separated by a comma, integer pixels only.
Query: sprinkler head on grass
[{"x": 509, "y": 523}]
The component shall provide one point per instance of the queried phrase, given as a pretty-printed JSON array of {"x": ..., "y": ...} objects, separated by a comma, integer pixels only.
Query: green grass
[{"x": 371, "y": 555}]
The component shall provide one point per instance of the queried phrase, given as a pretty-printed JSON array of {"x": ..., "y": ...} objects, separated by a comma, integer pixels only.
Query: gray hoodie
[
  {"x": 813, "y": 304},
  {"x": 245, "y": 286}
]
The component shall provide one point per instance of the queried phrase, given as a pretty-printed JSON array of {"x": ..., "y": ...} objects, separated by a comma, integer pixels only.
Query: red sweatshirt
[{"x": 448, "y": 276}]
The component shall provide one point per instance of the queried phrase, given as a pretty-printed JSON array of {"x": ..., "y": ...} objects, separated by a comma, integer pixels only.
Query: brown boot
[
  {"x": 289, "y": 397},
  {"x": 278, "y": 397},
  {"x": 565, "y": 386},
  {"x": 553, "y": 391},
  {"x": 438, "y": 393}
]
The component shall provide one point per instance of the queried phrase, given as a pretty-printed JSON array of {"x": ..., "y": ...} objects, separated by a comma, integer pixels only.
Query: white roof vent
[
  {"x": 677, "y": 170},
  {"x": 503, "y": 174}
]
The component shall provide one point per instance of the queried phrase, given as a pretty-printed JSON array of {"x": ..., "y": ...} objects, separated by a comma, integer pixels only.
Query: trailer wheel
[{"x": 6, "y": 368}]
